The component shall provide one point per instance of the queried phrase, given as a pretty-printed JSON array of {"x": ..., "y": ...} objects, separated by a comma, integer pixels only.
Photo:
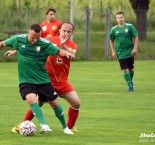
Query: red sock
[
  {"x": 29, "y": 115},
  {"x": 72, "y": 117}
]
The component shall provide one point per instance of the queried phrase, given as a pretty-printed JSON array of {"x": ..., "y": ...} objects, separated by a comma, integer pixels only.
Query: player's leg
[
  {"x": 60, "y": 115},
  {"x": 73, "y": 111},
  {"x": 37, "y": 112},
  {"x": 58, "y": 112},
  {"x": 131, "y": 74},
  {"x": 127, "y": 78},
  {"x": 125, "y": 68},
  {"x": 131, "y": 71},
  {"x": 47, "y": 91},
  {"x": 29, "y": 114},
  {"x": 29, "y": 92},
  {"x": 66, "y": 91},
  {"x": 131, "y": 68}
]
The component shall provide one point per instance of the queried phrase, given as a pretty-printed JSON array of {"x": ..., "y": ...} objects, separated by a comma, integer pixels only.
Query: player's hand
[
  {"x": 66, "y": 54},
  {"x": 70, "y": 55},
  {"x": 10, "y": 53},
  {"x": 114, "y": 54},
  {"x": 64, "y": 39},
  {"x": 134, "y": 51}
]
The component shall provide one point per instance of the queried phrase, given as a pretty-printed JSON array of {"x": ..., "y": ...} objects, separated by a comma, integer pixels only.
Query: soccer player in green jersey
[
  {"x": 124, "y": 43},
  {"x": 32, "y": 52}
]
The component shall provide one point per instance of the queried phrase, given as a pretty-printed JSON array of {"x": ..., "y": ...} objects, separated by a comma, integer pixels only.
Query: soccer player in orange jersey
[
  {"x": 58, "y": 68},
  {"x": 51, "y": 26}
]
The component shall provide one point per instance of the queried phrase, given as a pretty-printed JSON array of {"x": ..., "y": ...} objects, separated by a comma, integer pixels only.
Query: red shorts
[{"x": 62, "y": 87}]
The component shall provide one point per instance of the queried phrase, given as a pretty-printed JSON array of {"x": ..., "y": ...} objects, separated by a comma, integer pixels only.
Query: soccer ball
[{"x": 27, "y": 128}]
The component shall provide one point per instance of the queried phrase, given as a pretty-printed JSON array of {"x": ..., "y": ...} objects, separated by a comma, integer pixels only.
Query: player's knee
[
  {"x": 76, "y": 104},
  {"x": 54, "y": 103}
]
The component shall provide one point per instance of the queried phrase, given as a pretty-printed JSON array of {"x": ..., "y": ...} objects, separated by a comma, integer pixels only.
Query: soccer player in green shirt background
[
  {"x": 124, "y": 43},
  {"x": 32, "y": 52}
]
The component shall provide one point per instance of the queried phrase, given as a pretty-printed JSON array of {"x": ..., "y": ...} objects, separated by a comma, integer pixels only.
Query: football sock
[
  {"x": 72, "y": 117},
  {"x": 128, "y": 79},
  {"x": 131, "y": 74},
  {"x": 60, "y": 115},
  {"x": 38, "y": 113},
  {"x": 29, "y": 115}
]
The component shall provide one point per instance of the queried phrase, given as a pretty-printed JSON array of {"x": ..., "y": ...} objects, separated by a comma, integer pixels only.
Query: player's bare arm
[
  {"x": 2, "y": 44},
  {"x": 10, "y": 53},
  {"x": 73, "y": 51},
  {"x": 69, "y": 49},
  {"x": 134, "y": 51},
  {"x": 63, "y": 52},
  {"x": 112, "y": 49}
]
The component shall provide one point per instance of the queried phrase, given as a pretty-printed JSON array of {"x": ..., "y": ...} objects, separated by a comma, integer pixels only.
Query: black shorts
[
  {"x": 127, "y": 63},
  {"x": 45, "y": 92}
]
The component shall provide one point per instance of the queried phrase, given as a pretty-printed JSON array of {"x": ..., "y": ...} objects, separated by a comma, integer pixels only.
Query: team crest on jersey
[
  {"x": 44, "y": 28},
  {"x": 126, "y": 30},
  {"x": 59, "y": 60},
  {"x": 54, "y": 27},
  {"x": 37, "y": 48},
  {"x": 23, "y": 46}
]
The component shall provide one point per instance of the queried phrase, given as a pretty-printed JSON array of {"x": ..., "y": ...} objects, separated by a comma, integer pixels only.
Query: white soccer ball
[{"x": 27, "y": 128}]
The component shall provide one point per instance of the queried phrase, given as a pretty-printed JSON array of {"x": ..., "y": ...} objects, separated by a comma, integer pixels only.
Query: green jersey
[
  {"x": 123, "y": 40},
  {"x": 32, "y": 58}
]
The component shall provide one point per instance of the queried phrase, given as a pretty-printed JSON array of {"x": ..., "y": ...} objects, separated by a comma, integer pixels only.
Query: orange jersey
[
  {"x": 58, "y": 67},
  {"x": 50, "y": 29}
]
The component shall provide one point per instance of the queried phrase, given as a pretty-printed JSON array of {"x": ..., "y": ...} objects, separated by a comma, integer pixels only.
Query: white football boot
[
  {"x": 68, "y": 131},
  {"x": 45, "y": 128}
]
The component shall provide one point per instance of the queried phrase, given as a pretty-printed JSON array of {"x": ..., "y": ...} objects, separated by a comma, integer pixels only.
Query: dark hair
[
  {"x": 36, "y": 28},
  {"x": 50, "y": 9},
  {"x": 119, "y": 13},
  {"x": 68, "y": 23}
]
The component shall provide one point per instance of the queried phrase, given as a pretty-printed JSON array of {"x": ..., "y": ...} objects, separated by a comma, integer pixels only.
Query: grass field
[{"x": 109, "y": 115}]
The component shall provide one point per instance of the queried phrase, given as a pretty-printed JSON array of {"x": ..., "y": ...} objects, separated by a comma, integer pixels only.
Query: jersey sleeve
[
  {"x": 52, "y": 50},
  {"x": 133, "y": 31},
  {"x": 112, "y": 36},
  {"x": 12, "y": 42},
  {"x": 73, "y": 47}
]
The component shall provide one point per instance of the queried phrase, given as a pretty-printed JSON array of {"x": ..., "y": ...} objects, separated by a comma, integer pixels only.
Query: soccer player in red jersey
[
  {"x": 51, "y": 26},
  {"x": 58, "y": 68}
]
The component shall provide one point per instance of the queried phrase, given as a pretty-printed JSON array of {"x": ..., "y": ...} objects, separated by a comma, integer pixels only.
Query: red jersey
[
  {"x": 50, "y": 29},
  {"x": 57, "y": 66}
]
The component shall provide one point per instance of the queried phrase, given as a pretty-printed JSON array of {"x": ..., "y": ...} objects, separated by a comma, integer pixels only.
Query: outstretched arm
[
  {"x": 2, "y": 44},
  {"x": 10, "y": 53},
  {"x": 63, "y": 52}
]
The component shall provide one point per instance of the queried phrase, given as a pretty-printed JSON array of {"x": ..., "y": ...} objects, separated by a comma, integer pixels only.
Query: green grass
[{"x": 108, "y": 115}]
